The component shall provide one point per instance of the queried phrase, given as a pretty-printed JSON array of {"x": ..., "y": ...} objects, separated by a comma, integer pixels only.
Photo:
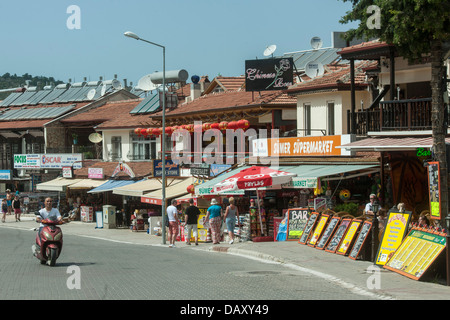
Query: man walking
[
  {"x": 172, "y": 215},
  {"x": 190, "y": 218}
]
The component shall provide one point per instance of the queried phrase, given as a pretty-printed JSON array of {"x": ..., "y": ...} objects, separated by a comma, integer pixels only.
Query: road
[{"x": 95, "y": 269}]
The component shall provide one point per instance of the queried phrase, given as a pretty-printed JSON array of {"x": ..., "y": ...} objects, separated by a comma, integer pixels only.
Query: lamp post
[
  {"x": 163, "y": 140},
  {"x": 374, "y": 231}
]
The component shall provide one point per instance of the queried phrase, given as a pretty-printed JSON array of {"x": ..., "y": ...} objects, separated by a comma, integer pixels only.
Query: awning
[
  {"x": 87, "y": 184},
  {"x": 58, "y": 184},
  {"x": 391, "y": 144},
  {"x": 205, "y": 188},
  {"x": 111, "y": 185},
  {"x": 175, "y": 190},
  {"x": 307, "y": 175},
  {"x": 139, "y": 188}
]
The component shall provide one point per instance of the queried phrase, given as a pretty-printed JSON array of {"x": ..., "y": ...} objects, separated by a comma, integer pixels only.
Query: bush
[{"x": 350, "y": 207}]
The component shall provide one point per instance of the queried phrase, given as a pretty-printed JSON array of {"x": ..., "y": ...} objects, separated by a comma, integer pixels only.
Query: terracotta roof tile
[
  {"x": 140, "y": 169},
  {"x": 338, "y": 78}
]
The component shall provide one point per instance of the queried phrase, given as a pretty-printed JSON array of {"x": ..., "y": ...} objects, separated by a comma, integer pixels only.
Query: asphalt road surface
[{"x": 95, "y": 269}]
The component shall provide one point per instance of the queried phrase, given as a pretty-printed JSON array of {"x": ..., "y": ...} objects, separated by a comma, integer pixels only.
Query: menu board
[
  {"x": 297, "y": 219},
  {"x": 320, "y": 227},
  {"x": 394, "y": 232},
  {"x": 338, "y": 235},
  {"x": 434, "y": 190},
  {"x": 415, "y": 255},
  {"x": 326, "y": 236},
  {"x": 359, "y": 243},
  {"x": 349, "y": 236},
  {"x": 309, "y": 227}
]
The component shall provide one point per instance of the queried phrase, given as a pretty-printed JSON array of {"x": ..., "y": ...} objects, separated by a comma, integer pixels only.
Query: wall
[{"x": 319, "y": 114}]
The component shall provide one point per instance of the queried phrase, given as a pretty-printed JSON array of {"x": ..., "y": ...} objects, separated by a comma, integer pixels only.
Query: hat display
[{"x": 214, "y": 201}]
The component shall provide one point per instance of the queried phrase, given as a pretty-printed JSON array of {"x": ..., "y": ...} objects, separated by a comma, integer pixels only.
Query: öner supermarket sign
[
  {"x": 47, "y": 161},
  {"x": 302, "y": 146}
]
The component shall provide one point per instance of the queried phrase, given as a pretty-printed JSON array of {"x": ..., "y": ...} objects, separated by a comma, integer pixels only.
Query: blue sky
[{"x": 204, "y": 37}]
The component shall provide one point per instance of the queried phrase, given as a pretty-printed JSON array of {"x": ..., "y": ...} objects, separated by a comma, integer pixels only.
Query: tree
[{"x": 417, "y": 28}]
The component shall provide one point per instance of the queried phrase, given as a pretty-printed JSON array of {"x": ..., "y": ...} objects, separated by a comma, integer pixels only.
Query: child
[
  {"x": 16, "y": 207},
  {"x": 4, "y": 209}
]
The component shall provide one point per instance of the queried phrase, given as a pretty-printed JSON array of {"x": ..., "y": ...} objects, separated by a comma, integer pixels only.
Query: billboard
[{"x": 269, "y": 74}]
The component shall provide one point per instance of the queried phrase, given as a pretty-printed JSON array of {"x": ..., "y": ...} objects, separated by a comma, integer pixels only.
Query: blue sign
[
  {"x": 5, "y": 174},
  {"x": 172, "y": 169}
]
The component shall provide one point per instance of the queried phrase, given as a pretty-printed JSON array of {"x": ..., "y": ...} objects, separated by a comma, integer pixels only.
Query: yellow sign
[
  {"x": 348, "y": 238},
  {"x": 394, "y": 232},
  {"x": 417, "y": 253},
  {"x": 319, "y": 229}
]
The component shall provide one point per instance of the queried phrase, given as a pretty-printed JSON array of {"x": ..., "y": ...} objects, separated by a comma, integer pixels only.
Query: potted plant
[{"x": 75, "y": 138}]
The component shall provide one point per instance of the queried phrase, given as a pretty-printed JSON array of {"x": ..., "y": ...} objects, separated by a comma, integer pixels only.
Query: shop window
[
  {"x": 116, "y": 148},
  {"x": 143, "y": 148}
]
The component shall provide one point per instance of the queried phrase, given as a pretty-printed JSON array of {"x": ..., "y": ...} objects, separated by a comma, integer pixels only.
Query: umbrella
[{"x": 253, "y": 178}]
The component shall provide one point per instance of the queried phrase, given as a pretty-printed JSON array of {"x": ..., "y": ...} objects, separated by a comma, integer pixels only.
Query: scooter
[{"x": 49, "y": 242}]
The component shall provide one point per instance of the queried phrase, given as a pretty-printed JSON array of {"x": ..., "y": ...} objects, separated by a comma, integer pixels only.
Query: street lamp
[{"x": 163, "y": 148}]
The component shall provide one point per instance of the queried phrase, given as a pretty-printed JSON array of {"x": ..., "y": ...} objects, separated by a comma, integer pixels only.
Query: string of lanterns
[{"x": 224, "y": 125}]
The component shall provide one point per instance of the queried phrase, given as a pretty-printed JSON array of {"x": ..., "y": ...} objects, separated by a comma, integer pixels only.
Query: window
[
  {"x": 330, "y": 113},
  {"x": 307, "y": 118},
  {"x": 143, "y": 148},
  {"x": 116, "y": 148}
]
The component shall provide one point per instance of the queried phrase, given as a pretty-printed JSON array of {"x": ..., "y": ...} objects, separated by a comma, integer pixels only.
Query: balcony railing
[{"x": 398, "y": 115}]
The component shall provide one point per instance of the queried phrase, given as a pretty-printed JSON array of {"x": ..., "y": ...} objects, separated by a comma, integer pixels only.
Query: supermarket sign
[
  {"x": 301, "y": 146},
  {"x": 47, "y": 161}
]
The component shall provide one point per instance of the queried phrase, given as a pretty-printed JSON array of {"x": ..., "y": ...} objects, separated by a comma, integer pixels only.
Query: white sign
[
  {"x": 48, "y": 161},
  {"x": 5, "y": 175}
]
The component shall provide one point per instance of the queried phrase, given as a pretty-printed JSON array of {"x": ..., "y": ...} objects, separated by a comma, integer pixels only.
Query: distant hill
[{"x": 8, "y": 81}]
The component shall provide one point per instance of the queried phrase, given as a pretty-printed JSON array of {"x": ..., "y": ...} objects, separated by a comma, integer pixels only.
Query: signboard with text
[
  {"x": 301, "y": 146},
  {"x": 269, "y": 74},
  {"x": 394, "y": 232},
  {"x": 434, "y": 190},
  {"x": 172, "y": 169},
  {"x": 297, "y": 219},
  {"x": 48, "y": 161}
]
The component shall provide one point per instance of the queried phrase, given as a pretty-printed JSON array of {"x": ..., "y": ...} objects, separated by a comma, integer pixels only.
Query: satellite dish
[
  {"x": 270, "y": 50},
  {"x": 314, "y": 69},
  {"x": 95, "y": 137},
  {"x": 103, "y": 90},
  {"x": 116, "y": 84},
  {"x": 146, "y": 84},
  {"x": 91, "y": 94},
  {"x": 316, "y": 43}
]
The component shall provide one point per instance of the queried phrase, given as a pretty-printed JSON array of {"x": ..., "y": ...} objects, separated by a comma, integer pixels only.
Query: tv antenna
[{"x": 270, "y": 50}]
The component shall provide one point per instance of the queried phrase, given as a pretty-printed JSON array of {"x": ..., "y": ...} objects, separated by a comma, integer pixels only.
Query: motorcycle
[{"x": 49, "y": 242}]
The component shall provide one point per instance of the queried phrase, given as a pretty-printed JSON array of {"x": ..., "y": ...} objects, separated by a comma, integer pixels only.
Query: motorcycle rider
[{"x": 47, "y": 212}]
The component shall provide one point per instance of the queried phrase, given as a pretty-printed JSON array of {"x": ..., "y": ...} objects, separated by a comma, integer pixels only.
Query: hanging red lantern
[
  {"x": 243, "y": 124},
  {"x": 232, "y": 125},
  {"x": 144, "y": 132},
  {"x": 191, "y": 189},
  {"x": 156, "y": 132},
  {"x": 169, "y": 130},
  {"x": 149, "y": 131},
  {"x": 184, "y": 126},
  {"x": 137, "y": 131},
  {"x": 215, "y": 125},
  {"x": 206, "y": 126},
  {"x": 190, "y": 127},
  {"x": 223, "y": 125}
]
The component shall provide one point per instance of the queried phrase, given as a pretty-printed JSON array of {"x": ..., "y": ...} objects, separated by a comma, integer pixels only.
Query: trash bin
[{"x": 109, "y": 217}]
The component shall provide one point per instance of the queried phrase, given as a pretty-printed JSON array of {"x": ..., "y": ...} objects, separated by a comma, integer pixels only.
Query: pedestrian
[
  {"x": 214, "y": 216},
  {"x": 172, "y": 215},
  {"x": 191, "y": 217},
  {"x": 231, "y": 214},
  {"x": 369, "y": 206},
  {"x": 4, "y": 209},
  {"x": 9, "y": 199},
  {"x": 16, "y": 207}
]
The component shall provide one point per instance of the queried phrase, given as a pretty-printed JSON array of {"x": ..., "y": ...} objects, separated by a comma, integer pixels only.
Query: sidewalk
[{"x": 341, "y": 270}]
